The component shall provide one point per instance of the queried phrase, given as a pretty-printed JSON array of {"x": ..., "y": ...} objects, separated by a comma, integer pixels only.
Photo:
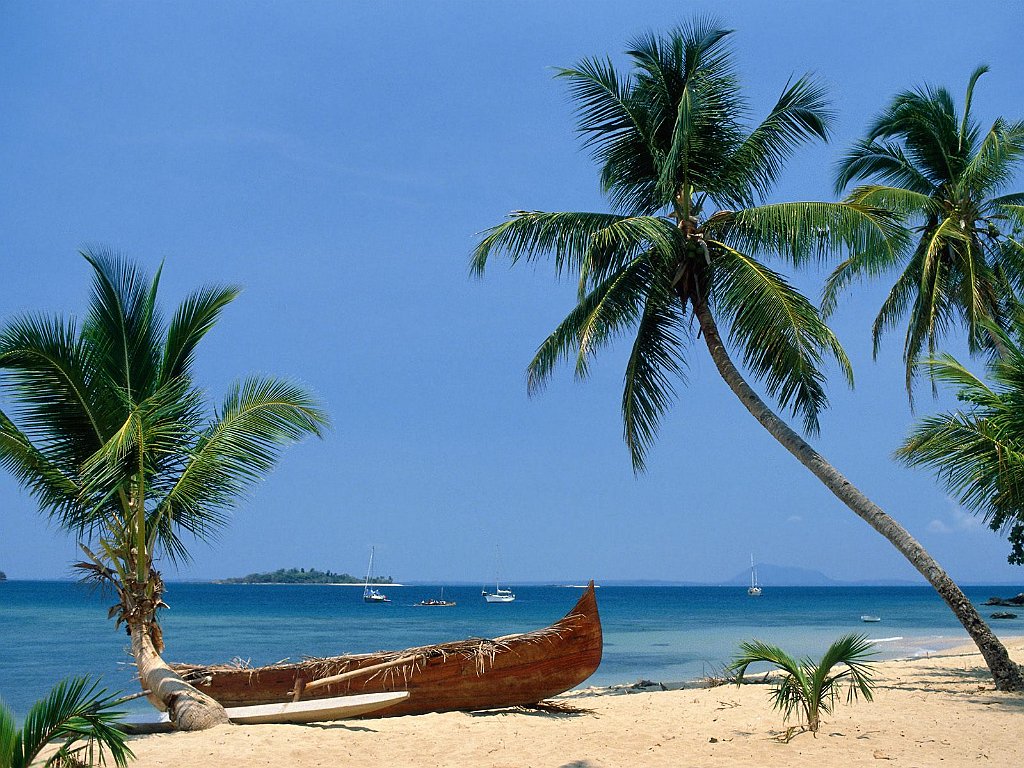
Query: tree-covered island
[{"x": 302, "y": 576}]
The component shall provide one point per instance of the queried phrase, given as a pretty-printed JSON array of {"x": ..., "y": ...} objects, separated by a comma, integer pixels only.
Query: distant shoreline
[{"x": 224, "y": 583}]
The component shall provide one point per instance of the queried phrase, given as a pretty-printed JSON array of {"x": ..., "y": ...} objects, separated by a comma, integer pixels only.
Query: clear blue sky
[{"x": 336, "y": 159}]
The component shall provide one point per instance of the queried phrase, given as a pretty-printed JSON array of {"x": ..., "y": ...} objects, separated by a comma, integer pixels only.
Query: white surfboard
[
  {"x": 315, "y": 710},
  {"x": 310, "y": 711}
]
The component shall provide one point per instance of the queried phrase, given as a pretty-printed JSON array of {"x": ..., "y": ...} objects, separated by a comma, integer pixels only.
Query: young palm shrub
[
  {"x": 108, "y": 431},
  {"x": 77, "y": 715},
  {"x": 810, "y": 689}
]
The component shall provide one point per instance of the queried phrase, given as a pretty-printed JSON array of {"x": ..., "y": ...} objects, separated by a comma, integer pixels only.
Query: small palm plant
[
  {"x": 810, "y": 688},
  {"x": 76, "y": 714}
]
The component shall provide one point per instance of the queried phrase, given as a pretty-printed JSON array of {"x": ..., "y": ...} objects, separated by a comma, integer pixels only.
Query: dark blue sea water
[{"x": 49, "y": 630}]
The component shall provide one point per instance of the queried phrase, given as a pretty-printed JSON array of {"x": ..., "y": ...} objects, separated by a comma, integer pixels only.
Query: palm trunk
[
  {"x": 188, "y": 708},
  {"x": 1008, "y": 675}
]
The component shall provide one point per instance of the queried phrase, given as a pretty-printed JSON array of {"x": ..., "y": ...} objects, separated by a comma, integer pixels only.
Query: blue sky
[{"x": 336, "y": 159}]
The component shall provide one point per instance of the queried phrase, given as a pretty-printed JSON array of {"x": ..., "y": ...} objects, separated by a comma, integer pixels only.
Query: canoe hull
[{"x": 468, "y": 675}]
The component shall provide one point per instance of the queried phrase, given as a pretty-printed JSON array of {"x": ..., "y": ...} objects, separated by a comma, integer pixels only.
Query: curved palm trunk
[
  {"x": 1008, "y": 675},
  {"x": 188, "y": 708}
]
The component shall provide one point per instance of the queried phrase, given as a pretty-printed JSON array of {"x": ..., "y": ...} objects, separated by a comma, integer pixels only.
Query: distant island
[
  {"x": 302, "y": 576},
  {"x": 3, "y": 576}
]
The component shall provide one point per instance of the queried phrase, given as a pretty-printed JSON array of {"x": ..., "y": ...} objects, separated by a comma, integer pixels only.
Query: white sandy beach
[{"x": 940, "y": 710}]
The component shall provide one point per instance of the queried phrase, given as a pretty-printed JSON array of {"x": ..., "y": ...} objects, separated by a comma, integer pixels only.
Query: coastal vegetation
[
  {"x": 808, "y": 688},
  {"x": 112, "y": 437},
  {"x": 303, "y": 576},
  {"x": 78, "y": 717},
  {"x": 977, "y": 451},
  {"x": 676, "y": 259},
  {"x": 936, "y": 171}
]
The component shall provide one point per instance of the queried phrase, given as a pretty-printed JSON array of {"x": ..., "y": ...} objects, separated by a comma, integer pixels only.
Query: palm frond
[
  {"x": 801, "y": 114},
  {"x": 781, "y": 333},
  {"x": 123, "y": 325},
  {"x": 965, "y": 124},
  {"x": 995, "y": 162},
  {"x": 595, "y": 244},
  {"x": 46, "y": 371},
  {"x": 258, "y": 418},
  {"x": 56, "y": 492},
  {"x": 191, "y": 322},
  {"x": 81, "y": 717},
  {"x": 655, "y": 360},
  {"x": 608, "y": 310},
  {"x": 884, "y": 161},
  {"x": 808, "y": 230}
]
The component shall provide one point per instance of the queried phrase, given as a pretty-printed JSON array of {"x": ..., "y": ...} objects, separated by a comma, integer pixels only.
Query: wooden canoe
[{"x": 466, "y": 675}]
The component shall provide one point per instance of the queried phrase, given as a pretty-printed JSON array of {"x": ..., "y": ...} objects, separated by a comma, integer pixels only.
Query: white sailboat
[
  {"x": 754, "y": 590},
  {"x": 371, "y": 595},
  {"x": 499, "y": 595}
]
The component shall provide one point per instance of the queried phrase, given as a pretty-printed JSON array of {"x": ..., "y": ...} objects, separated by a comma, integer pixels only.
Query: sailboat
[
  {"x": 499, "y": 595},
  {"x": 436, "y": 602},
  {"x": 753, "y": 590},
  {"x": 371, "y": 595}
]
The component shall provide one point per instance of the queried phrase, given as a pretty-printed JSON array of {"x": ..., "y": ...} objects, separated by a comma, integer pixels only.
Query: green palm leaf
[
  {"x": 671, "y": 143},
  {"x": 655, "y": 360},
  {"x": 78, "y": 716},
  {"x": 802, "y": 113},
  {"x": 978, "y": 452},
  {"x": 258, "y": 418},
  {"x": 781, "y": 333},
  {"x": 933, "y": 170},
  {"x": 810, "y": 688}
]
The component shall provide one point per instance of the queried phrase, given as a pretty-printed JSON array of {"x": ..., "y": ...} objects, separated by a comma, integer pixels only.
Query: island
[
  {"x": 3, "y": 576},
  {"x": 302, "y": 576}
]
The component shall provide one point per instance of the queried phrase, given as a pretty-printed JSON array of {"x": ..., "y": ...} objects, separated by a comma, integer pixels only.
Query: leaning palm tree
[
  {"x": 947, "y": 181},
  {"x": 107, "y": 430},
  {"x": 686, "y": 180},
  {"x": 978, "y": 451},
  {"x": 811, "y": 688},
  {"x": 78, "y": 716}
]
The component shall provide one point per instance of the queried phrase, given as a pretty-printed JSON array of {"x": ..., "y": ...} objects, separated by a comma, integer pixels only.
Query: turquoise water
[{"x": 49, "y": 630}]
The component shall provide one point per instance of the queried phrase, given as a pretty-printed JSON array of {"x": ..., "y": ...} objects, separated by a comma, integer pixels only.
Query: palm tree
[
  {"x": 76, "y": 714},
  {"x": 111, "y": 436},
  {"x": 935, "y": 170},
  {"x": 685, "y": 178},
  {"x": 810, "y": 688},
  {"x": 978, "y": 452}
]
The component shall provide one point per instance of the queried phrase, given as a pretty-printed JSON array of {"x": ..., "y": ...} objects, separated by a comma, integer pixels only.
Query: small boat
[
  {"x": 466, "y": 675},
  {"x": 753, "y": 590},
  {"x": 870, "y": 619},
  {"x": 436, "y": 602},
  {"x": 499, "y": 595},
  {"x": 371, "y": 595}
]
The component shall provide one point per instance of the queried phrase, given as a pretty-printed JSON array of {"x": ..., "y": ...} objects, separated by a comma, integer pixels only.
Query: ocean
[{"x": 53, "y": 629}]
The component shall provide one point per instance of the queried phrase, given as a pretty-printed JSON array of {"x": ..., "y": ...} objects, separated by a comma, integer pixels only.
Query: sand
[{"x": 940, "y": 710}]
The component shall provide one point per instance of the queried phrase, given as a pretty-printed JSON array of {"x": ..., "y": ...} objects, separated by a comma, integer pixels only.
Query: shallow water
[{"x": 49, "y": 630}]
